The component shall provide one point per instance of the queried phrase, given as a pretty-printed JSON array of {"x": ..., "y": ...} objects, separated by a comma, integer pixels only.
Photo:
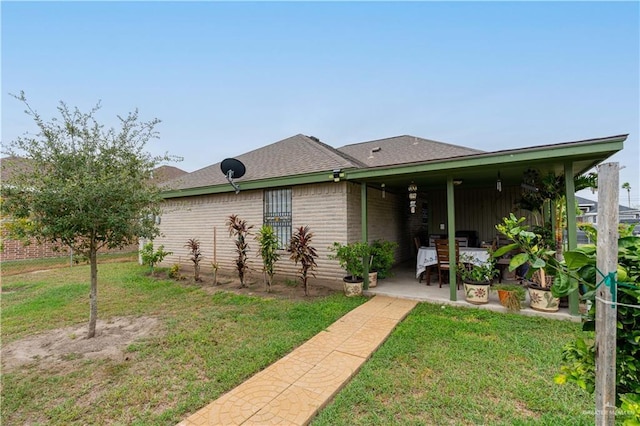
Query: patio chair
[
  {"x": 442, "y": 253},
  {"x": 503, "y": 261}
]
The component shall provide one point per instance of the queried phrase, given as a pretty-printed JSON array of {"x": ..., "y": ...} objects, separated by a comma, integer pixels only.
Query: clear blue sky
[{"x": 227, "y": 78}]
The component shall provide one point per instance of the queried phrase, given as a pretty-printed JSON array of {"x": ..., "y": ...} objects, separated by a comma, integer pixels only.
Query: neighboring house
[
  {"x": 589, "y": 210},
  {"x": 360, "y": 192},
  {"x": 17, "y": 250}
]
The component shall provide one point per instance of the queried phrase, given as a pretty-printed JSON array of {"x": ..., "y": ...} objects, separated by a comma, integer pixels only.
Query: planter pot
[
  {"x": 352, "y": 287},
  {"x": 509, "y": 299},
  {"x": 373, "y": 279},
  {"x": 542, "y": 299},
  {"x": 476, "y": 292}
]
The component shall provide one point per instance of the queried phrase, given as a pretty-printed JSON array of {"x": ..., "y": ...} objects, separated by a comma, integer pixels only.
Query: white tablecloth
[{"x": 427, "y": 257}]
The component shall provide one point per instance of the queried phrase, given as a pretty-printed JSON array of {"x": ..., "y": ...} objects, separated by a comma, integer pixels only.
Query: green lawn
[
  {"x": 464, "y": 366},
  {"x": 212, "y": 343},
  {"x": 440, "y": 366}
]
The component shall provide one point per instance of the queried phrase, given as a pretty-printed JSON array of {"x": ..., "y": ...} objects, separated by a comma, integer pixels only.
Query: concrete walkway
[{"x": 292, "y": 390}]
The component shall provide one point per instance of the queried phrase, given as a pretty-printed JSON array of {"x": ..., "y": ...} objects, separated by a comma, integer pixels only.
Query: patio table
[{"x": 427, "y": 257}]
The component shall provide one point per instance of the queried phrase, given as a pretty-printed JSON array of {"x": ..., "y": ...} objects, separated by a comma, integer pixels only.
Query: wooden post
[{"x": 607, "y": 260}]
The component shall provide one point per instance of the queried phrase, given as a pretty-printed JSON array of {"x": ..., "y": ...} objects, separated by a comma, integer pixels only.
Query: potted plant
[
  {"x": 476, "y": 278},
  {"x": 537, "y": 256},
  {"x": 511, "y": 296},
  {"x": 382, "y": 257},
  {"x": 350, "y": 257}
]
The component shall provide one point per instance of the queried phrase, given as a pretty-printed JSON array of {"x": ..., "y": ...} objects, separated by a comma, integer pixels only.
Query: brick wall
[
  {"x": 331, "y": 210},
  {"x": 16, "y": 250}
]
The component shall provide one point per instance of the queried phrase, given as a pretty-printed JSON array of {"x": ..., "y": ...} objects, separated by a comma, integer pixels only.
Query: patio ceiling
[{"x": 481, "y": 170}]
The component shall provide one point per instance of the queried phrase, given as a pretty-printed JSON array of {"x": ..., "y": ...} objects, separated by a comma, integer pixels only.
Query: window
[{"x": 277, "y": 213}]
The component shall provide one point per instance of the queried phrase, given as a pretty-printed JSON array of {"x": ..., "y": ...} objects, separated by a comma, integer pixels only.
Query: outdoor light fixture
[
  {"x": 383, "y": 186},
  {"x": 336, "y": 175},
  {"x": 413, "y": 196},
  {"x": 499, "y": 183}
]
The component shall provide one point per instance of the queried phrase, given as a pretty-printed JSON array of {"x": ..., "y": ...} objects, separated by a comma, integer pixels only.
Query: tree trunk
[{"x": 93, "y": 296}]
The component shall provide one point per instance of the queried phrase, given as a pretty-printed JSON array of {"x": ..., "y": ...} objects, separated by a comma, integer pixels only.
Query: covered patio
[
  {"x": 404, "y": 285},
  {"x": 470, "y": 193}
]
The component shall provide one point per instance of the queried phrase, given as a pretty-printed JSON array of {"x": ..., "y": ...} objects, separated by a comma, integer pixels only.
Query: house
[
  {"x": 360, "y": 192},
  {"x": 589, "y": 209}
]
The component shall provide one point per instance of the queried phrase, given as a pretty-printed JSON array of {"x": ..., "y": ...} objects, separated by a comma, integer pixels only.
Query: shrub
[
  {"x": 196, "y": 256},
  {"x": 269, "y": 244},
  {"x": 152, "y": 258},
  {"x": 302, "y": 252},
  {"x": 240, "y": 229}
]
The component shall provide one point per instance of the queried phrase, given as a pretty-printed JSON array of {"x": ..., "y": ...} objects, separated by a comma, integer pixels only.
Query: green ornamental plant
[
  {"x": 151, "y": 257},
  {"x": 269, "y": 245},
  {"x": 382, "y": 257},
  {"x": 473, "y": 273},
  {"x": 533, "y": 251},
  {"x": 579, "y": 271},
  {"x": 350, "y": 256}
]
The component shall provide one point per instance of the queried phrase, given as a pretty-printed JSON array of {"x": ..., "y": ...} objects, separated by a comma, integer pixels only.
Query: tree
[
  {"x": 628, "y": 188},
  {"x": 88, "y": 187}
]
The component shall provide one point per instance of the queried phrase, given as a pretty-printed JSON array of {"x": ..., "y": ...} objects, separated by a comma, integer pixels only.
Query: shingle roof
[
  {"x": 166, "y": 173},
  {"x": 296, "y": 155},
  {"x": 12, "y": 165},
  {"x": 402, "y": 150}
]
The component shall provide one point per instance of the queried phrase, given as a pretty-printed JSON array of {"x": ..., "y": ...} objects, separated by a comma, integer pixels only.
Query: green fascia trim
[
  {"x": 316, "y": 177},
  {"x": 591, "y": 150}
]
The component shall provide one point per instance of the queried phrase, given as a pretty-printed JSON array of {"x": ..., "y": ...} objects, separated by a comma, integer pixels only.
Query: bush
[{"x": 152, "y": 258}]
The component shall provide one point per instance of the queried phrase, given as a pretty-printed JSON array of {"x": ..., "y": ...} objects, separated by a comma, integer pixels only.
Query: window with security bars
[{"x": 277, "y": 214}]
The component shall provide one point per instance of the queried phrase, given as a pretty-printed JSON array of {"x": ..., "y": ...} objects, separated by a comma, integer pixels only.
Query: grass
[
  {"x": 15, "y": 267},
  {"x": 440, "y": 366},
  {"x": 464, "y": 366},
  {"x": 211, "y": 343}
]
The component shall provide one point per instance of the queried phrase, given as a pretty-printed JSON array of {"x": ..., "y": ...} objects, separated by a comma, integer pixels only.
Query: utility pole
[{"x": 607, "y": 261}]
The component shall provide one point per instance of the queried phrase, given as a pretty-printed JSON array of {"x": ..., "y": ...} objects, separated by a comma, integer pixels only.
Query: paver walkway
[{"x": 292, "y": 390}]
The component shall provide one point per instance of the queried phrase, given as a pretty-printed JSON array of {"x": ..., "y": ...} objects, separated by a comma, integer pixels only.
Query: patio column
[
  {"x": 451, "y": 223},
  {"x": 365, "y": 233},
  {"x": 572, "y": 238}
]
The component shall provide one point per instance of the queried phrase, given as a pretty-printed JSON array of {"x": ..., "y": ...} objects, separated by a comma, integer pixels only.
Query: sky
[{"x": 226, "y": 78}]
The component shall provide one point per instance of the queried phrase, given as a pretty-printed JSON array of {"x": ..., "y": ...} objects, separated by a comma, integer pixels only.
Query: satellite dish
[{"x": 233, "y": 168}]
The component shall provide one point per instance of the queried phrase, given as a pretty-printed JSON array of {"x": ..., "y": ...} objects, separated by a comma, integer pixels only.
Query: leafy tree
[
  {"x": 628, "y": 188},
  {"x": 269, "y": 244},
  {"x": 302, "y": 252},
  {"x": 240, "y": 229},
  {"x": 88, "y": 187}
]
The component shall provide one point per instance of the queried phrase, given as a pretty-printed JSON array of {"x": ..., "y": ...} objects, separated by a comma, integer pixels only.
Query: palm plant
[
  {"x": 302, "y": 252},
  {"x": 269, "y": 245},
  {"x": 240, "y": 229},
  {"x": 628, "y": 188}
]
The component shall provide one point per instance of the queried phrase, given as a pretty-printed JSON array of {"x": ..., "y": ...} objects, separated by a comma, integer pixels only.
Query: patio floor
[{"x": 404, "y": 284}]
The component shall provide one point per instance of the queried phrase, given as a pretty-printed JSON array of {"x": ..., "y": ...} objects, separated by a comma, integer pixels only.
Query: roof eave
[{"x": 302, "y": 179}]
